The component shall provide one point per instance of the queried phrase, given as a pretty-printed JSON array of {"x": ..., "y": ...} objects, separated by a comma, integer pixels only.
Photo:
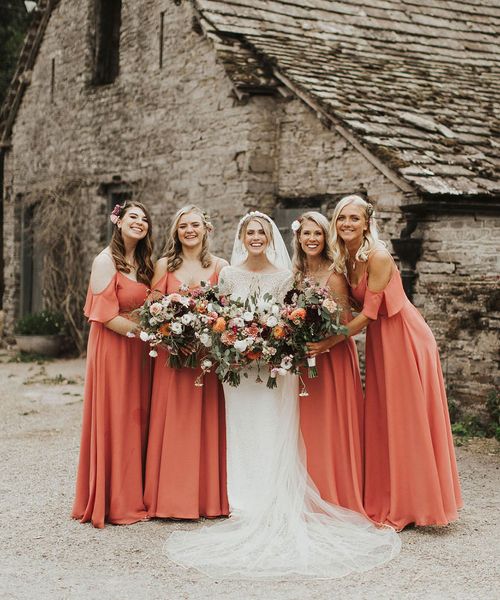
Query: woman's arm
[{"x": 380, "y": 266}]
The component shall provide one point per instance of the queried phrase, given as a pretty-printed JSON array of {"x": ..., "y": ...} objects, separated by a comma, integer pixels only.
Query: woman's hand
[{"x": 315, "y": 348}]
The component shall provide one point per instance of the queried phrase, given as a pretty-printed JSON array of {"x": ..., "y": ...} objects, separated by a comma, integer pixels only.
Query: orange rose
[
  {"x": 253, "y": 354},
  {"x": 298, "y": 313},
  {"x": 220, "y": 325},
  {"x": 164, "y": 329},
  {"x": 279, "y": 332}
]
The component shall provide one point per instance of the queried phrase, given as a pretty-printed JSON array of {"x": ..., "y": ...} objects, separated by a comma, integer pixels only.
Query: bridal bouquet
[
  {"x": 172, "y": 321},
  {"x": 312, "y": 314},
  {"x": 238, "y": 334}
]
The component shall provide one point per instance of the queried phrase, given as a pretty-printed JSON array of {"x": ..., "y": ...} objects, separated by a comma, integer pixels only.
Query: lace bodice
[{"x": 240, "y": 283}]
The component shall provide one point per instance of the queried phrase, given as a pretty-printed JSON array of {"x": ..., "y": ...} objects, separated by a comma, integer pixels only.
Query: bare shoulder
[
  {"x": 103, "y": 271},
  {"x": 160, "y": 269},
  {"x": 380, "y": 258},
  {"x": 220, "y": 263}
]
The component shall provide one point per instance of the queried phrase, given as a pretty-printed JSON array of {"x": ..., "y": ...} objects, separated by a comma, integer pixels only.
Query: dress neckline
[
  {"x": 129, "y": 278},
  {"x": 192, "y": 287},
  {"x": 258, "y": 272}
]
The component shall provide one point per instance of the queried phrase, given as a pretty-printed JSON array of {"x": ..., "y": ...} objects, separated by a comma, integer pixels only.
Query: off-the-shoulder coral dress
[
  {"x": 109, "y": 484},
  {"x": 410, "y": 469}
]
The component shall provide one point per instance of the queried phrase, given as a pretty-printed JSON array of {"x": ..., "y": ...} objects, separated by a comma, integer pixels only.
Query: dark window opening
[
  {"x": 162, "y": 33},
  {"x": 52, "y": 79},
  {"x": 31, "y": 263},
  {"x": 115, "y": 193},
  {"x": 107, "y": 40}
]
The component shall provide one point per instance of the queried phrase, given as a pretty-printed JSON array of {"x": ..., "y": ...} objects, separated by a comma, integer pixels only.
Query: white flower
[
  {"x": 176, "y": 328},
  {"x": 275, "y": 309},
  {"x": 206, "y": 340},
  {"x": 287, "y": 362},
  {"x": 206, "y": 364},
  {"x": 184, "y": 300},
  {"x": 144, "y": 336},
  {"x": 210, "y": 307},
  {"x": 237, "y": 322},
  {"x": 248, "y": 316},
  {"x": 155, "y": 309},
  {"x": 240, "y": 345},
  {"x": 295, "y": 225},
  {"x": 153, "y": 353},
  {"x": 272, "y": 321},
  {"x": 187, "y": 318}
]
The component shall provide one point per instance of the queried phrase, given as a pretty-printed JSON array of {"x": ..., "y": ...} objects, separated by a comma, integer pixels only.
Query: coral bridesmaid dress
[
  {"x": 331, "y": 421},
  {"x": 109, "y": 484},
  {"x": 186, "y": 457},
  {"x": 410, "y": 468}
]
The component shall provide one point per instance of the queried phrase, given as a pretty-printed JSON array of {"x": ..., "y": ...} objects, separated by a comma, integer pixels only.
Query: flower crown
[
  {"x": 116, "y": 212},
  {"x": 207, "y": 222},
  {"x": 370, "y": 211}
]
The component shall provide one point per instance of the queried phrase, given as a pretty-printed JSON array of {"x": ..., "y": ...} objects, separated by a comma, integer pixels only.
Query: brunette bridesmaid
[
  {"x": 410, "y": 468},
  {"x": 109, "y": 484},
  {"x": 331, "y": 416},
  {"x": 186, "y": 457}
]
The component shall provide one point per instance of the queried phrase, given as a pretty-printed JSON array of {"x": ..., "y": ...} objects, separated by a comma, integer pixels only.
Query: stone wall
[
  {"x": 458, "y": 292},
  {"x": 177, "y": 135}
]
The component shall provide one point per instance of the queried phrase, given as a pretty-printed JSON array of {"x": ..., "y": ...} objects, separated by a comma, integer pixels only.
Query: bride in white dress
[{"x": 279, "y": 526}]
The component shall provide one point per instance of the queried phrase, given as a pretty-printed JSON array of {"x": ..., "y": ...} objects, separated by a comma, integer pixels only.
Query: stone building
[{"x": 278, "y": 105}]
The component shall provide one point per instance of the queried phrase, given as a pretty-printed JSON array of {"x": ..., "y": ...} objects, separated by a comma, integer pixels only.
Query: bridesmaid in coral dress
[
  {"x": 410, "y": 469},
  {"x": 186, "y": 456},
  {"x": 331, "y": 416},
  {"x": 109, "y": 484}
]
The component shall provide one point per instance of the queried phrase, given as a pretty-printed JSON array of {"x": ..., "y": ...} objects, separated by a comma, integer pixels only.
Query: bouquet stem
[
  {"x": 271, "y": 382},
  {"x": 312, "y": 371}
]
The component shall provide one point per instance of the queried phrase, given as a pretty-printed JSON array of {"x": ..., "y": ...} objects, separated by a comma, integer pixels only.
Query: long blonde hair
[
  {"x": 299, "y": 259},
  {"x": 173, "y": 246},
  {"x": 370, "y": 236}
]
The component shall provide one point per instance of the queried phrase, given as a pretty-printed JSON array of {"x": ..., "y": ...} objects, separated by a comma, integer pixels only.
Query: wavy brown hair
[
  {"x": 173, "y": 246},
  {"x": 143, "y": 250},
  {"x": 299, "y": 260}
]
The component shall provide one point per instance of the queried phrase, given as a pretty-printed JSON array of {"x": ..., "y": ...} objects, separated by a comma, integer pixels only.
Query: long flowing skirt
[{"x": 279, "y": 526}]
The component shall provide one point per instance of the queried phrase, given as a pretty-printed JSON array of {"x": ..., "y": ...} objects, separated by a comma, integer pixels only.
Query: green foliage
[
  {"x": 45, "y": 322},
  {"x": 14, "y": 22},
  {"x": 472, "y": 426}
]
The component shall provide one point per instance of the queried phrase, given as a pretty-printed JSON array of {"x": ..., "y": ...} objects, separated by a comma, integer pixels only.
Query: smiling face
[
  {"x": 351, "y": 224},
  {"x": 134, "y": 224},
  {"x": 254, "y": 238},
  {"x": 311, "y": 238},
  {"x": 191, "y": 230}
]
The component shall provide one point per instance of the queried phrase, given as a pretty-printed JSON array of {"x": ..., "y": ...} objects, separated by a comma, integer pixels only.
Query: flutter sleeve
[
  {"x": 104, "y": 306},
  {"x": 386, "y": 303}
]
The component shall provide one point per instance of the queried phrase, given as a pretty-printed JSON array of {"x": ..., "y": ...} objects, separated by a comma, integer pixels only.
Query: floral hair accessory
[
  {"x": 295, "y": 225},
  {"x": 253, "y": 213},
  {"x": 207, "y": 222},
  {"x": 115, "y": 214},
  {"x": 370, "y": 211}
]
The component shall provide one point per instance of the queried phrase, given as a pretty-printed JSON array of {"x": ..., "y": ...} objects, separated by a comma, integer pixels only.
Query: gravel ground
[{"x": 46, "y": 555}]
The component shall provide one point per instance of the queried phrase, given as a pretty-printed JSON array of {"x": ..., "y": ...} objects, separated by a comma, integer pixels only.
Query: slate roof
[{"x": 416, "y": 81}]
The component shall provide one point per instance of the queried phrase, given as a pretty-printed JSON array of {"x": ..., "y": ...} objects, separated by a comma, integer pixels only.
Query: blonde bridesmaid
[
  {"x": 331, "y": 416},
  {"x": 186, "y": 456},
  {"x": 410, "y": 469},
  {"x": 109, "y": 484}
]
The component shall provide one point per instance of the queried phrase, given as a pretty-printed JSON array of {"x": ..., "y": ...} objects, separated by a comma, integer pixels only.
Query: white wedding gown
[{"x": 279, "y": 526}]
